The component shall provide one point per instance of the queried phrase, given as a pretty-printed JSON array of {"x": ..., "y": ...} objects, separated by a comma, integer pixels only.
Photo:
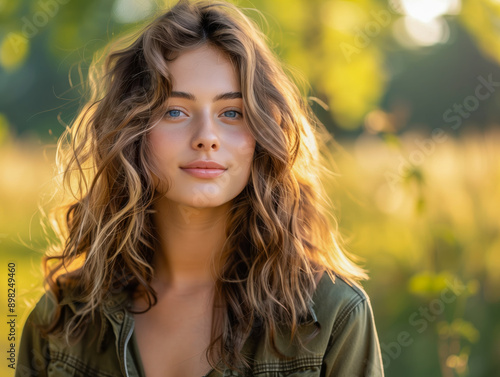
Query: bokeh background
[{"x": 408, "y": 88}]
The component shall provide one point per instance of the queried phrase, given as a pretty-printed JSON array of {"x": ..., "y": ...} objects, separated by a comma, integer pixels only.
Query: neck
[{"x": 190, "y": 242}]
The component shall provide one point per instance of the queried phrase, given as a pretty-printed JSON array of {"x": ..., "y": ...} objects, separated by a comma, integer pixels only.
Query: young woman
[{"x": 197, "y": 240}]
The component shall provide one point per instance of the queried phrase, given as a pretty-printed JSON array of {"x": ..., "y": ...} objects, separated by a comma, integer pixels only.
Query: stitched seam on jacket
[
  {"x": 79, "y": 365},
  {"x": 344, "y": 315},
  {"x": 286, "y": 366}
]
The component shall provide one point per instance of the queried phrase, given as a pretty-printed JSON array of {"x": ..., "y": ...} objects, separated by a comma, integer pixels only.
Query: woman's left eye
[{"x": 232, "y": 114}]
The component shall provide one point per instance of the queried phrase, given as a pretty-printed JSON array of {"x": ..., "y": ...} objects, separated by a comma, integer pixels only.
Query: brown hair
[{"x": 279, "y": 234}]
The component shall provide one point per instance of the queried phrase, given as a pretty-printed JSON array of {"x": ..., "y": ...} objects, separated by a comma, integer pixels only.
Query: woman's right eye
[{"x": 174, "y": 113}]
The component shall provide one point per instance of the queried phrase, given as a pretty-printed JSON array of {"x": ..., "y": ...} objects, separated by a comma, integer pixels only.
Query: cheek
[
  {"x": 163, "y": 144},
  {"x": 161, "y": 152},
  {"x": 245, "y": 149},
  {"x": 245, "y": 152}
]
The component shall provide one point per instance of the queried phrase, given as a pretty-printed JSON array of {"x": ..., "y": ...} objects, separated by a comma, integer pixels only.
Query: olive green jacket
[{"x": 346, "y": 346}]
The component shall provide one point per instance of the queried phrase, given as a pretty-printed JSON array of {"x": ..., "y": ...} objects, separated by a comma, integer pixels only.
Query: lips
[
  {"x": 203, "y": 164},
  {"x": 204, "y": 169}
]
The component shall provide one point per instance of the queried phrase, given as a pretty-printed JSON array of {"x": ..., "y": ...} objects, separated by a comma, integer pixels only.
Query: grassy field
[{"x": 423, "y": 215}]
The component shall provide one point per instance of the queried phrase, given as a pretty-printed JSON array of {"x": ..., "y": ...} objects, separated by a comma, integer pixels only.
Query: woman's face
[{"x": 204, "y": 122}]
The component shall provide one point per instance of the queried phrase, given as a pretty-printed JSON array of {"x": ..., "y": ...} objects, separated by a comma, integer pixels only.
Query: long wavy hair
[{"x": 280, "y": 232}]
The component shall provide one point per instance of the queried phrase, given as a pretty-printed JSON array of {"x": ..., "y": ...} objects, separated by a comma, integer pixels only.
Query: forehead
[{"x": 203, "y": 67}]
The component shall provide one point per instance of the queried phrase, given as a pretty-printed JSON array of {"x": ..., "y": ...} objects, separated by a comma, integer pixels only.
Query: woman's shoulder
[
  {"x": 43, "y": 310},
  {"x": 345, "y": 345},
  {"x": 336, "y": 298},
  {"x": 54, "y": 312},
  {"x": 89, "y": 351},
  {"x": 68, "y": 300},
  {"x": 345, "y": 316}
]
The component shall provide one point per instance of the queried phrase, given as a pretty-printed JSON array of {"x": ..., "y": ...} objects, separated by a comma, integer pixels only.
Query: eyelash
[{"x": 239, "y": 114}]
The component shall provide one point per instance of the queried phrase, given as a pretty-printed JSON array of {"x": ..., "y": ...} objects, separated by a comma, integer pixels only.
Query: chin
[{"x": 198, "y": 202}]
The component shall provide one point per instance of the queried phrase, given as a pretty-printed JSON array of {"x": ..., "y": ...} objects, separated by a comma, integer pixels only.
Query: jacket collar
[
  {"x": 109, "y": 308},
  {"x": 112, "y": 302}
]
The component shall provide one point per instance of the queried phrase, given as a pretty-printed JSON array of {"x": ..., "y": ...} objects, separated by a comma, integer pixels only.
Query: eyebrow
[{"x": 219, "y": 97}]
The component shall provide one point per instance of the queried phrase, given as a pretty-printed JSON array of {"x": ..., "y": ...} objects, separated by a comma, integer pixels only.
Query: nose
[{"x": 205, "y": 137}]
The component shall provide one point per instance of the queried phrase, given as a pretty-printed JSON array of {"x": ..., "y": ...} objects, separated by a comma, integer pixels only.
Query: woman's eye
[
  {"x": 232, "y": 114},
  {"x": 173, "y": 113}
]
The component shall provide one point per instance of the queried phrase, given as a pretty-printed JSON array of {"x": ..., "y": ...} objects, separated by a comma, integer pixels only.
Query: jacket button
[{"x": 119, "y": 316}]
